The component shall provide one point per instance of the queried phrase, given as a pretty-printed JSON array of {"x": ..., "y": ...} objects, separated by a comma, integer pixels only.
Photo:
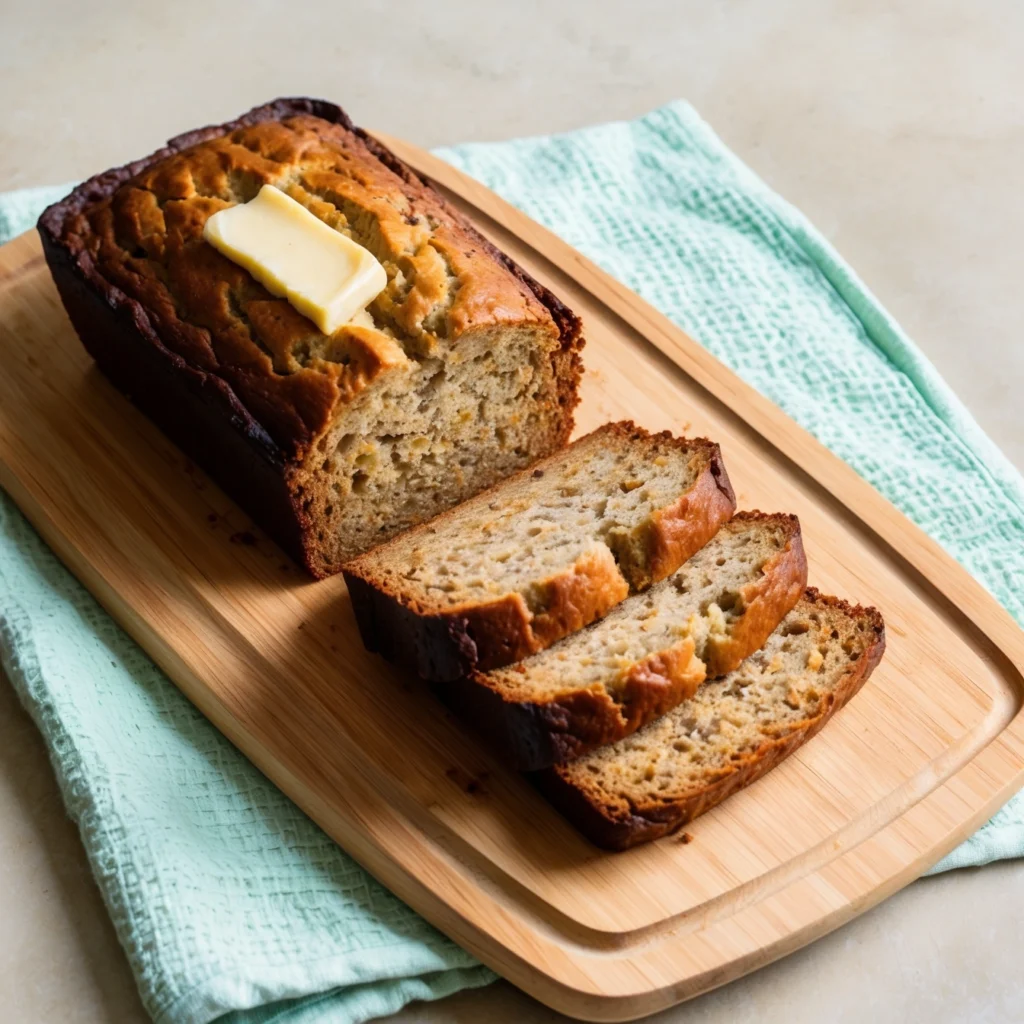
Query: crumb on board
[{"x": 473, "y": 785}]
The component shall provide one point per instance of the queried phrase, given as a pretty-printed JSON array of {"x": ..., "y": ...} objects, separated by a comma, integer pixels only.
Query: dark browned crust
[
  {"x": 530, "y": 736},
  {"x": 443, "y": 645},
  {"x": 613, "y": 831},
  {"x": 434, "y": 646},
  {"x": 199, "y": 410}
]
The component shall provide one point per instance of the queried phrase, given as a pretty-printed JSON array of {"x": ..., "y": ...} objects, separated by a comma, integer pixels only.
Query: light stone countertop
[{"x": 898, "y": 129}]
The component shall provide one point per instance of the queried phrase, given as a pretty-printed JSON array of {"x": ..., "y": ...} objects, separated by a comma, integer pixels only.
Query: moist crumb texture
[
  {"x": 551, "y": 549},
  {"x": 729, "y": 733},
  {"x": 461, "y": 371}
]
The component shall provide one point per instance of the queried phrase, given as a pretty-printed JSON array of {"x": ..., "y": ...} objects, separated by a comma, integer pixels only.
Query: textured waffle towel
[{"x": 228, "y": 900}]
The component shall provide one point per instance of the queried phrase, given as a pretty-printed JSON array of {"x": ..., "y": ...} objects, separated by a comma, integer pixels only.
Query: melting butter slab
[{"x": 293, "y": 254}]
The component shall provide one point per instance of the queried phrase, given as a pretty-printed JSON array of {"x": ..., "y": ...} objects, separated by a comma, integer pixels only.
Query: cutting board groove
[{"x": 924, "y": 754}]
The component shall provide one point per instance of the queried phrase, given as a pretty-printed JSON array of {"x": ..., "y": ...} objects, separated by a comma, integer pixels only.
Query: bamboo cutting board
[{"x": 921, "y": 757}]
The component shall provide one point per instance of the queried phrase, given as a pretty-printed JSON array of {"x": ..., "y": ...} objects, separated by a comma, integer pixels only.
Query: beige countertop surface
[{"x": 897, "y": 128}]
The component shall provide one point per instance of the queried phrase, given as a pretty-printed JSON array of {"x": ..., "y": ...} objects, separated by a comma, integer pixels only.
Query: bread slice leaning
[
  {"x": 647, "y": 654},
  {"x": 731, "y": 733},
  {"x": 542, "y": 554}
]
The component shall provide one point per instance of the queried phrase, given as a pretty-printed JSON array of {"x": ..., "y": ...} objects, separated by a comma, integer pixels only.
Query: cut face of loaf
[
  {"x": 729, "y": 734},
  {"x": 542, "y": 554},
  {"x": 431, "y": 431},
  {"x": 648, "y": 654}
]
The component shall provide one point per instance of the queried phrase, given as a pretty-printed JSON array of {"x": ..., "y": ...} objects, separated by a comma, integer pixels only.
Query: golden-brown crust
[
  {"x": 619, "y": 828},
  {"x": 573, "y": 599},
  {"x": 682, "y": 529},
  {"x": 500, "y": 631},
  {"x": 763, "y": 602},
  {"x": 145, "y": 238},
  {"x": 505, "y": 630},
  {"x": 659, "y": 683}
]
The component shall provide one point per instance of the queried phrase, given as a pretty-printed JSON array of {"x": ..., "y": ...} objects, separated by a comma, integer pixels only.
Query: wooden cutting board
[{"x": 925, "y": 753}]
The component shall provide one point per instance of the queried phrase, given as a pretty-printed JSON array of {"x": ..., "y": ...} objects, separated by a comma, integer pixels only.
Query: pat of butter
[{"x": 321, "y": 272}]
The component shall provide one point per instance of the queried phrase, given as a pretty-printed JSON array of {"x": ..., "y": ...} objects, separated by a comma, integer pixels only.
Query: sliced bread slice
[
  {"x": 731, "y": 733},
  {"x": 647, "y": 654},
  {"x": 542, "y": 554}
]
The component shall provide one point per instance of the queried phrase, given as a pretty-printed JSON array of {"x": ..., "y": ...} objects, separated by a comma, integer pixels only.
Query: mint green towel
[{"x": 229, "y": 902}]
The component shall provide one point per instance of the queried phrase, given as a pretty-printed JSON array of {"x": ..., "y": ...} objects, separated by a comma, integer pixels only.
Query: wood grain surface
[{"x": 920, "y": 758}]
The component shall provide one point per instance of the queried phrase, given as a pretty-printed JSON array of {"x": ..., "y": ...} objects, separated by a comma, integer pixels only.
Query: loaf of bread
[
  {"x": 728, "y": 735},
  {"x": 465, "y": 370},
  {"x": 541, "y": 554},
  {"x": 647, "y": 654}
]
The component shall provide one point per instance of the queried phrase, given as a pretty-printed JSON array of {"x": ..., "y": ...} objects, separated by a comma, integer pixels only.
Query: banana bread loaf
[{"x": 465, "y": 370}]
